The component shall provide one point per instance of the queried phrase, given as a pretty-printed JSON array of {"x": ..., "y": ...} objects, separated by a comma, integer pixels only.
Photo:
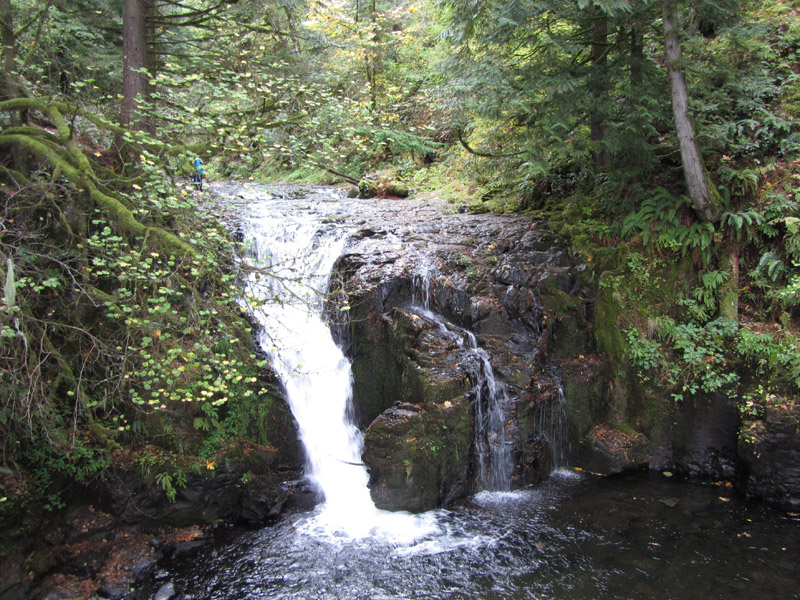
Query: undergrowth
[{"x": 115, "y": 348}]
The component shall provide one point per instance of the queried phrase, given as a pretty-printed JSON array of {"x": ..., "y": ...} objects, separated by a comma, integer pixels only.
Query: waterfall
[
  {"x": 292, "y": 255},
  {"x": 491, "y": 404},
  {"x": 493, "y": 444},
  {"x": 295, "y": 258},
  {"x": 424, "y": 272},
  {"x": 552, "y": 422}
]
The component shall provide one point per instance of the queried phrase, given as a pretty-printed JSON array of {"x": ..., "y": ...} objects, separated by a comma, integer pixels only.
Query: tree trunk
[
  {"x": 693, "y": 168},
  {"x": 598, "y": 85},
  {"x": 8, "y": 88},
  {"x": 135, "y": 86},
  {"x": 292, "y": 30},
  {"x": 636, "y": 59},
  {"x": 729, "y": 293},
  {"x": 372, "y": 61}
]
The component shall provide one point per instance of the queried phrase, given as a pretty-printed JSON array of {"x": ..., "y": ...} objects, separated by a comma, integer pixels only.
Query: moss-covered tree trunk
[
  {"x": 7, "y": 37},
  {"x": 729, "y": 293},
  {"x": 9, "y": 83}
]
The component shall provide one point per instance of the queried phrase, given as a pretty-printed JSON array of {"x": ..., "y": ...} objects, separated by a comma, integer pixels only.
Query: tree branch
[{"x": 469, "y": 149}]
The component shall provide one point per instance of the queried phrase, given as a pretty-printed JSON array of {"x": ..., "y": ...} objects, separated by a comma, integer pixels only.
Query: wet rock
[
  {"x": 705, "y": 439},
  {"x": 536, "y": 460},
  {"x": 180, "y": 541},
  {"x": 613, "y": 451},
  {"x": 299, "y": 496},
  {"x": 244, "y": 490},
  {"x": 584, "y": 379},
  {"x": 165, "y": 592},
  {"x": 86, "y": 522},
  {"x": 188, "y": 547},
  {"x": 419, "y": 459},
  {"x": 537, "y": 419},
  {"x": 769, "y": 450},
  {"x": 15, "y": 579},
  {"x": 417, "y": 451},
  {"x": 131, "y": 555},
  {"x": 62, "y": 586}
]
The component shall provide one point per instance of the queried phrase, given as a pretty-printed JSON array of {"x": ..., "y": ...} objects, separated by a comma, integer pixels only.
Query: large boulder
[
  {"x": 769, "y": 450},
  {"x": 418, "y": 451},
  {"x": 418, "y": 458}
]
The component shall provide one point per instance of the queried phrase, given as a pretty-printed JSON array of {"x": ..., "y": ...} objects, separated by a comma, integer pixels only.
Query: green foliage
[
  {"x": 119, "y": 323},
  {"x": 676, "y": 343},
  {"x": 70, "y": 49},
  {"x": 741, "y": 222},
  {"x": 109, "y": 334},
  {"x": 685, "y": 357},
  {"x": 776, "y": 241},
  {"x": 664, "y": 220}
]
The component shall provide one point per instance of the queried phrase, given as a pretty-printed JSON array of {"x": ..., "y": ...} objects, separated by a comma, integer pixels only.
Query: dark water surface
[{"x": 574, "y": 537}]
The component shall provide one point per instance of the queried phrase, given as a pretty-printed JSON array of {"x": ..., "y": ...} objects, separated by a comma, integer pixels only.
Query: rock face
[
  {"x": 444, "y": 311},
  {"x": 770, "y": 453},
  {"x": 447, "y": 316},
  {"x": 415, "y": 280}
]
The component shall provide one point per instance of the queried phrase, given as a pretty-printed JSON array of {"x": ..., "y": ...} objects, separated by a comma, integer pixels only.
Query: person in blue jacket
[{"x": 199, "y": 170}]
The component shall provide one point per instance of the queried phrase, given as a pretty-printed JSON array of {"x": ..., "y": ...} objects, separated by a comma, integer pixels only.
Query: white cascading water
[
  {"x": 492, "y": 441},
  {"x": 295, "y": 253},
  {"x": 491, "y": 436},
  {"x": 552, "y": 420}
]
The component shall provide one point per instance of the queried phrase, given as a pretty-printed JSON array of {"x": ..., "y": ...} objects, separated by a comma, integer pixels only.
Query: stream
[{"x": 576, "y": 536}]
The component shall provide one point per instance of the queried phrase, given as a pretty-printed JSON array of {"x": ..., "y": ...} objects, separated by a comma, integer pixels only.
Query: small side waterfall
[
  {"x": 491, "y": 404},
  {"x": 492, "y": 442},
  {"x": 553, "y": 423}
]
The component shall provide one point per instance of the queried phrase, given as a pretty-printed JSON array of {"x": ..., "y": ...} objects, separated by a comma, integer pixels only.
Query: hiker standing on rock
[{"x": 199, "y": 170}]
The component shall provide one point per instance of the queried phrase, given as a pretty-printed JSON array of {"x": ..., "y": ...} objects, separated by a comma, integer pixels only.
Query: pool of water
[{"x": 575, "y": 537}]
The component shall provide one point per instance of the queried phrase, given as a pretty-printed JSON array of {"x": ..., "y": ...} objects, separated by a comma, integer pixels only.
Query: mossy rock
[
  {"x": 607, "y": 450},
  {"x": 381, "y": 188},
  {"x": 419, "y": 458},
  {"x": 367, "y": 188},
  {"x": 606, "y": 328},
  {"x": 378, "y": 355}
]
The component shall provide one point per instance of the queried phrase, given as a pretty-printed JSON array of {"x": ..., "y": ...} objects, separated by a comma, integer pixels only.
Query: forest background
[{"x": 660, "y": 137}]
